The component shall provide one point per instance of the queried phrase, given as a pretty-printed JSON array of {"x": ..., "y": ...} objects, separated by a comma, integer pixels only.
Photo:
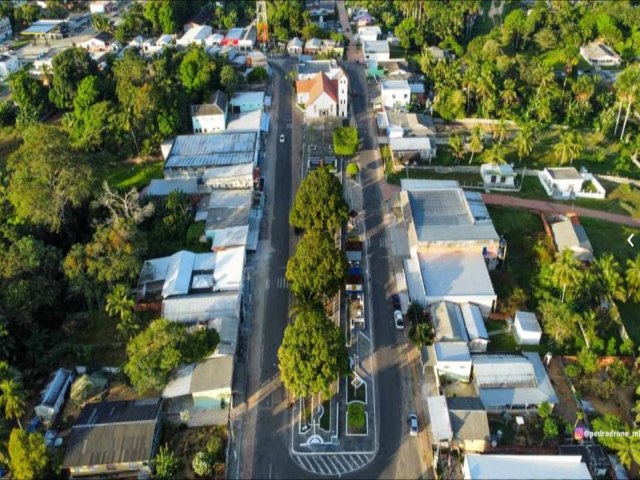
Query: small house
[
  {"x": 569, "y": 234},
  {"x": 562, "y": 181},
  {"x": 599, "y": 54},
  {"x": 211, "y": 116},
  {"x": 469, "y": 424},
  {"x": 526, "y": 329},
  {"x": 196, "y": 35},
  {"x": 102, "y": 42},
  {"x": 395, "y": 93},
  {"x": 256, "y": 58},
  {"x": 377, "y": 50},
  {"x": 407, "y": 149},
  {"x": 369, "y": 34},
  {"x": 295, "y": 46},
  {"x": 498, "y": 176},
  {"x": 99, "y": 7},
  {"x": 117, "y": 439},
  {"x": 53, "y": 395},
  {"x": 440, "y": 431},
  {"x": 204, "y": 389},
  {"x": 313, "y": 46}
]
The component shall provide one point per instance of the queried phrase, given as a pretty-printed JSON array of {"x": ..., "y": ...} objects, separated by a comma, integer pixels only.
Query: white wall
[
  {"x": 457, "y": 369},
  {"x": 323, "y": 102},
  {"x": 343, "y": 96},
  {"x": 484, "y": 302},
  {"x": 9, "y": 66},
  {"x": 526, "y": 337},
  {"x": 393, "y": 98},
  {"x": 229, "y": 182},
  {"x": 208, "y": 123}
]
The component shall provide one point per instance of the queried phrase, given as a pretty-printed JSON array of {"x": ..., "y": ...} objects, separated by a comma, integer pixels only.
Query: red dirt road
[{"x": 558, "y": 208}]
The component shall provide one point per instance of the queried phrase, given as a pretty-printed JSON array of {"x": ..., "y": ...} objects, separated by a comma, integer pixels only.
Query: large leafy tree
[
  {"x": 197, "y": 72},
  {"x": 70, "y": 67},
  {"x": 48, "y": 177},
  {"x": 318, "y": 269},
  {"x": 566, "y": 271},
  {"x": 229, "y": 79},
  {"x": 345, "y": 141},
  {"x": 28, "y": 455},
  {"x": 29, "y": 95},
  {"x": 156, "y": 351},
  {"x": 285, "y": 18},
  {"x": 312, "y": 354},
  {"x": 558, "y": 320},
  {"x": 319, "y": 203}
]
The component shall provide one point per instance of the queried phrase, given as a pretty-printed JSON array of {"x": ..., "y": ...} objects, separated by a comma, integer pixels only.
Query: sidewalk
[{"x": 556, "y": 208}]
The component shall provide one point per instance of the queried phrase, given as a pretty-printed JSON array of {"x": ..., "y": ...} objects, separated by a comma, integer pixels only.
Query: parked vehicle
[
  {"x": 412, "y": 421},
  {"x": 399, "y": 320},
  {"x": 395, "y": 301},
  {"x": 282, "y": 138}
]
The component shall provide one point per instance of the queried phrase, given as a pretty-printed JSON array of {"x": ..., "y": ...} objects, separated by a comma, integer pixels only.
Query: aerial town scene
[{"x": 306, "y": 239}]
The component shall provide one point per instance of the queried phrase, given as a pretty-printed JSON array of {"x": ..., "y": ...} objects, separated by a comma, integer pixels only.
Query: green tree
[
  {"x": 588, "y": 361},
  {"x": 318, "y": 203},
  {"x": 257, "y": 75},
  {"x": 229, "y": 79},
  {"x": 457, "y": 147},
  {"x": 422, "y": 334},
  {"x": 544, "y": 410},
  {"x": 405, "y": 31},
  {"x": 29, "y": 95},
  {"x": 524, "y": 141},
  {"x": 475, "y": 142},
  {"x": 566, "y": 271},
  {"x": 627, "y": 91},
  {"x": 495, "y": 155},
  {"x": 120, "y": 305},
  {"x": 608, "y": 278},
  {"x": 161, "y": 347},
  {"x": 509, "y": 94},
  {"x": 499, "y": 131},
  {"x": 12, "y": 399},
  {"x": 132, "y": 23},
  {"x": 312, "y": 355},
  {"x": 632, "y": 276},
  {"x": 558, "y": 320},
  {"x": 345, "y": 141},
  {"x": 628, "y": 448},
  {"x": 102, "y": 23},
  {"x": 70, "y": 67},
  {"x": 318, "y": 269},
  {"x": 89, "y": 92},
  {"x": 166, "y": 464},
  {"x": 353, "y": 169},
  {"x": 550, "y": 428},
  {"x": 607, "y": 423},
  {"x": 197, "y": 72},
  {"x": 28, "y": 455},
  {"x": 47, "y": 177}
]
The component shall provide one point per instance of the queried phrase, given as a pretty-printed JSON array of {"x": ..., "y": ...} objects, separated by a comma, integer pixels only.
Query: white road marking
[{"x": 267, "y": 283}]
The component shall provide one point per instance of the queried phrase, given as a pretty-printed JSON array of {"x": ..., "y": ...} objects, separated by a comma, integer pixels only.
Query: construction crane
[{"x": 262, "y": 24}]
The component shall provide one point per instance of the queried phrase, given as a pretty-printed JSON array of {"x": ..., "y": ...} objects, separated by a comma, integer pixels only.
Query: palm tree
[
  {"x": 12, "y": 399},
  {"x": 632, "y": 275},
  {"x": 563, "y": 147},
  {"x": 457, "y": 147},
  {"x": 119, "y": 302},
  {"x": 509, "y": 96},
  {"x": 475, "y": 142},
  {"x": 499, "y": 131},
  {"x": 608, "y": 278},
  {"x": 542, "y": 75},
  {"x": 485, "y": 89},
  {"x": 566, "y": 270},
  {"x": 627, "y": 85},
  {"x": 47, "y": 75},
  {"x": 576, "y": 146},
  {"x": 426, "y": 62},
  {"x": 628, "y": 448},
  {"x": 495, "y": 155},
  {"x": 524, "y": 141},
  {"x": 469, "y": 82}
]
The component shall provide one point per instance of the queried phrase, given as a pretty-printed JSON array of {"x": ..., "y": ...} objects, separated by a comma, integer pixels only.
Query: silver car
[
  {"x": 399, "y": 320},
  {"x": 412, "y": 421}
]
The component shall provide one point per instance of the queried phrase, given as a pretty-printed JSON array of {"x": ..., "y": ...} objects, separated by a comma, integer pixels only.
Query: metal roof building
[
  {"x": 53, "y": 395},
  {"x": 213, "y": 373},
  {"x": 191, "y": 155},
  {"x": 530, "y": 467},
  {"x": 516, "y": 381},
  {"x": 162, "y": 188}
]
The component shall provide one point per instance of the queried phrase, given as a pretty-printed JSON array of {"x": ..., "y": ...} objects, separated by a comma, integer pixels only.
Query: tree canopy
[
  {"x": 318, "y": 269},
  {"x": 319, "y": 203},
  {"x": 70, "y": 68},
  {"x": 47, "y": 177},
  {"x": 28, "y": 455},
  {"x": 312, "y": 354},
  {"x": 156, "y": 351}
]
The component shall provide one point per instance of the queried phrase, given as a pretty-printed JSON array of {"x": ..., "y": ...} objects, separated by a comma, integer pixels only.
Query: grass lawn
[
  {"x": 357, "y": 418},
  {"x": 128, "y": 175},
  {"x": 610, "y": 237},
  {"x": 520, "y": 229}
]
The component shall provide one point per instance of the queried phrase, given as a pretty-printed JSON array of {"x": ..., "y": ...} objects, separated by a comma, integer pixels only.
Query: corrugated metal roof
[
  {"x": 214, "y": 373},
  {"x": 473, "y": 321},
  {"x": 162, "y": 188},
  {"x": 503, "y": 371},
  {"x": 231, "y": 236},
  {"x": 213, "y": 149},
  {"x": 201, "y": 308},
  {"x": 521, "y": 467},
  {"x": 454, "y": 273},
  {"x": 448, "y": 322},
  {"x": 244, "y": 169},
  {"x": 452, "y": 352},
  {"x": 178, "y": 279},
  {"x": 229, "y": 269},
  {"x": 439, "y": 418}
]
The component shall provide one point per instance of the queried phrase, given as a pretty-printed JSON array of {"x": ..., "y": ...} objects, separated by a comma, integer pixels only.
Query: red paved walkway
[{"x": 558, "y": 208}]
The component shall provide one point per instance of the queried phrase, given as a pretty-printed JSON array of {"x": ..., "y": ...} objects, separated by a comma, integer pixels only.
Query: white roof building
[
  {"x": 572, "y": 236},
  {"x": 191, "y": 155},
  {"x": 377, "y": 50},
  {"x": 440, "y": 425},
  {"x": 369, "y": 33},
  {"x": 527, "y": 330},
  {"x": 599, "y": 54},
  {"x": 295, "y": 46},
  {"x": 521, "y": 467},
  {"x": 196, "y": 35},
  {"x": 8, "y": 65},
  {"x": 233, "y": 176},
  {"x": 395, "y": 93},
  {"x": 451, "y": 240},
  {"x": 516, "y": 381},
  {"x": 408, "y": 147}
]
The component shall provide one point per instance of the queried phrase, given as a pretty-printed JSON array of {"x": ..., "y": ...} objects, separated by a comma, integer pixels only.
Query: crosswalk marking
[
  {"x": 332, "y": 464},
  {"x": 282, "y": 283},
  {"x": 384, "y": 242}
]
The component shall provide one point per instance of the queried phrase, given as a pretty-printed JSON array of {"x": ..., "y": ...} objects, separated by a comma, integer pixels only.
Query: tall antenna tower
[{"x": 262, "y": 24}]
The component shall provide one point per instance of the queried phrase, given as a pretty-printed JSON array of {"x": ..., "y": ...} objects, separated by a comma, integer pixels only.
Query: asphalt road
[{"x": 399, "y": 454}]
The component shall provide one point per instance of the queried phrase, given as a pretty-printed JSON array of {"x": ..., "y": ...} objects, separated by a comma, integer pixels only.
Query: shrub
[
  {"x": 588, "y": 360},
  {"x": 544, "y": 409},
  {"x": 550, "y": 428},
  {"x": 573, "y": 370},
  {"x": 257, "y": 75},
  {"x": 215, "y": 449},
  {"x": 166, "y": 463},
  {"x": 353, "y": 169},
  {"x": 202, "y": 464},
  {"x": 357, "y": 417},
  {"x": 620, "y": 373},
  {"x": 422, "y": 334}
]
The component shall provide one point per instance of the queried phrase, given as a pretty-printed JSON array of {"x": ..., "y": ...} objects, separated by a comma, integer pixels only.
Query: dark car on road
[{"x": 395, "y": 300}]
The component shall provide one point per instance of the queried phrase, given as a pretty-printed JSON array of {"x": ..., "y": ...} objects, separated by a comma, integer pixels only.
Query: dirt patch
[
  {"x": 620, "y": 404},
  {"x": 567, "y": 406}
]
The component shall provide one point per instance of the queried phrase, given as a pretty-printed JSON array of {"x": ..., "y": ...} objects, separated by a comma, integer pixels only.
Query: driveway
[{"x": 558, "y": 208}]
